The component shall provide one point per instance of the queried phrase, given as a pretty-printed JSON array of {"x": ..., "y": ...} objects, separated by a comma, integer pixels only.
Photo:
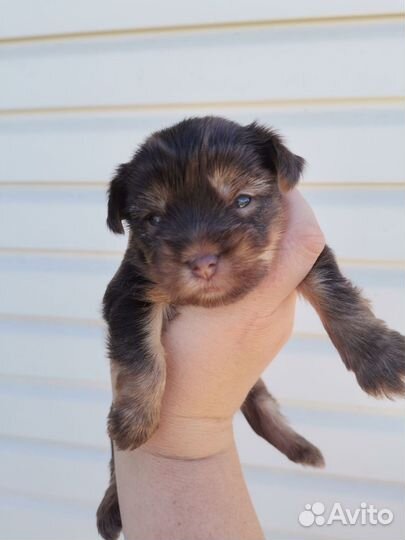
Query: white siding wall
[{"x": 81, "y": 85}]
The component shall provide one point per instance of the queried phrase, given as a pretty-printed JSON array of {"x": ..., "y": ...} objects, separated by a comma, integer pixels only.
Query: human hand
[{"x": 215, "y": 355}]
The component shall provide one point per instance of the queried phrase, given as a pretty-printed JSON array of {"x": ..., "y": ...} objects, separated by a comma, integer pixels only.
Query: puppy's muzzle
[{"x": 204, "y": 266}]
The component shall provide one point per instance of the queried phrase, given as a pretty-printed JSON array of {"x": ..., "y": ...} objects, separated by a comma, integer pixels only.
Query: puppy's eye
[
  {"x": 154, "y": 219},
  {"x": 242, "y": 201}
]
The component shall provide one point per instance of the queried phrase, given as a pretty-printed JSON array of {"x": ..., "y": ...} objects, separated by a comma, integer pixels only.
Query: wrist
[{"x": 187, "y": 438}]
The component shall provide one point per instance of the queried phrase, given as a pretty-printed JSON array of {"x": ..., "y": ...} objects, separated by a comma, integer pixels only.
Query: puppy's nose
[{"x": 204, "y": 266}]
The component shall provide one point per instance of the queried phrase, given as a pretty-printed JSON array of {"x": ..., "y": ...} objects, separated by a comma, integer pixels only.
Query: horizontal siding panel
[
  {"x": 27, "y": 518},
  {"x": 73, "y": 288},
  {"x": 73, "y": 415},
  {"x": 54, "y": 471},
  {"x": 71, "y": 219},
  {"x": 76, "y": 355},
  {"x": 345, "y": 145},
  {"x": 54, "y": 287},
  {"x": 77, "y": 416},
  {"x": 361, "y": 224},
  {"x": 48, "y": 350},
  {"x": 265, "y": 63},
  {"x": 57, "y": 17},
  {"x": 358, "y": 223}
]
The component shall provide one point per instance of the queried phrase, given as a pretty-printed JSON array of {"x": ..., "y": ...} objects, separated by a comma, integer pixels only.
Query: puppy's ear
[
  {"x": 117, "y": 198},
  {"x": 287, "y": 167}
]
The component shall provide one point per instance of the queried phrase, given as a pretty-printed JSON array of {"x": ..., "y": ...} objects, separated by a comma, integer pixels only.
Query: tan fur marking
[
  {"x": 156, "y": 197},
  {"x": 155, "y": 326},
  {"x": 229, "y": 183},
  {"x": 283, "y": 184},
  {"x": 135, "y": 411},
  {"x": 276, "y": 233}
]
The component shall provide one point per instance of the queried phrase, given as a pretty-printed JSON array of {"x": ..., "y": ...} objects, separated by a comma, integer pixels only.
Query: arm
[{"x": 186, "y": 481}]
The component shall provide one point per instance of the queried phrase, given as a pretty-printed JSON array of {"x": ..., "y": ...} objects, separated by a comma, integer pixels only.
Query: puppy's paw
[
  {"x": 381, "y": 369},
  {"x": 130, "y": 427},
  {"x": 108, "y": 515},
  {"x": 299, "y": 450}
]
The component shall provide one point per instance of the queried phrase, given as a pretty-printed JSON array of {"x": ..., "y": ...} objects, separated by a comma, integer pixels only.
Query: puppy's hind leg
[
  {"x": 262, "y": 412},
  {"x": 109, "y": 523}
]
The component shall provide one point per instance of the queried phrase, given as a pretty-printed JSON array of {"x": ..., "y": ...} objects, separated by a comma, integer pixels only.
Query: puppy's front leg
[
  {"x": 367, "y": 346},
  {"x": 138, "y": 368}
]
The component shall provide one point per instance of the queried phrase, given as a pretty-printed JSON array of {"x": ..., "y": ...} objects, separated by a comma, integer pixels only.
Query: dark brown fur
[
  {"x": 178, "y": 197},
  {"x": 262, "y": 412},
  {"x": 108, "y": 513},
  {"x": 375, "y": 353}
]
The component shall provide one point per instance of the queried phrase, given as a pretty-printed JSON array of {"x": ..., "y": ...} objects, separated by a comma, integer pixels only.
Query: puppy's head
[{"x": 202, "y": 201}]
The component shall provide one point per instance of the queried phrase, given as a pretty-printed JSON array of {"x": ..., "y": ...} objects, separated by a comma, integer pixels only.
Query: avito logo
[{"x": 366, "y": 514}]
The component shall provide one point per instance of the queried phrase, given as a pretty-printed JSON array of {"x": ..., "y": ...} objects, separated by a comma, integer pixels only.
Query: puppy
[{"x": 201, "y": 200}]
